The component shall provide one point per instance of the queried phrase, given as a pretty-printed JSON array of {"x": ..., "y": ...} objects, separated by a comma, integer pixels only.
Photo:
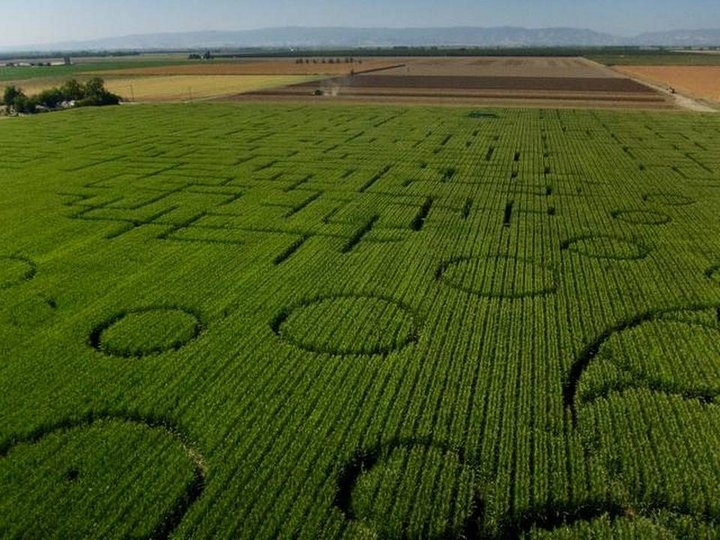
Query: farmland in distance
[
  {"x": 257, "y": 320},
  {"x": 508, "y": 81}
]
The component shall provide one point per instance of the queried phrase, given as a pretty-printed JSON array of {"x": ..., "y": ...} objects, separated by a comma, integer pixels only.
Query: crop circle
[
  {"x": 669, "y": 199},
  {"x": 606, "y": 247},
  {"x": 145, "y": 332},
  {"x": 15, "y": 270},
  {"x": 669, "y": 356},
  {"x": 111, "y": 478},
  {"x": 411, "y": 490},
  {"x": 498, "y": 277},
  {"x": 642, "y": 217},
  {"x": 348, "y": 325}
]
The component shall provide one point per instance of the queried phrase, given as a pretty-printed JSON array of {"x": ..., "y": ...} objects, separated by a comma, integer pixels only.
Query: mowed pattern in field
[
  {"x": 697, "y": 81},
  {"x": 545, "y": 80},
  {"x": 263, "y": 321}
]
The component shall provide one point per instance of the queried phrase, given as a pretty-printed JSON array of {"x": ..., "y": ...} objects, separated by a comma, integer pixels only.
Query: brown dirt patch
[
  {"x": 450, "y": 82},
  {"x": 698, "y": 81}
]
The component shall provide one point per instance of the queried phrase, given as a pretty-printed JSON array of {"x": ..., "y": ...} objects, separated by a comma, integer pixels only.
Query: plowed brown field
[
  {"x": 698, "y": 81},
  {"x": 507, "y": 80}
]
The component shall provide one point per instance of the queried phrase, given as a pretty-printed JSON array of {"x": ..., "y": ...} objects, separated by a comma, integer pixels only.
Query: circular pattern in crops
[
  {"x": 641, "y": 217},
  {"x": 498, "y": 277},
  {"x": 606, "y": 247},
  {"x": 669, "y": 356},
  {"x": 669, "y": 199},
  {"x": 109, "y": 479},
  {"x": 146, "y": 331},
  {"x": 348, "y": 325},
  {"x": 15, "y": 270}
]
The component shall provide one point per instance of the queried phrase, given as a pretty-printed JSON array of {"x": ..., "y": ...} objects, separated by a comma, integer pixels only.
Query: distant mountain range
[{"x": 326, "y": 37}]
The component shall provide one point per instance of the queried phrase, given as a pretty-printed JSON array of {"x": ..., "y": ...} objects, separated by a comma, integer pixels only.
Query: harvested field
[
  {"x": 180, "y": 87},
  {"x": 192, "y": 87},
  {"x": 283, "y": 66},
  {"x": 544, "y": 67},
  {"x": 545, "y": 81},
  {"x": 698, "y": 81}
]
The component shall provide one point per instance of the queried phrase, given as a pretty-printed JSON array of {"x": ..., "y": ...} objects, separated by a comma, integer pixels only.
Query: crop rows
[{"x": 260, "y": 321}]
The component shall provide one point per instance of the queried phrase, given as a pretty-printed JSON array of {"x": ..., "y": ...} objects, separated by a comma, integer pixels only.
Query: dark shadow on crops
[
  {"x": 419, "y": 221},
  {"x": 290, "y": 251},
  {"x": 467, "y": 207},
  {"x": 367, "y": 185},
  {"x": 507, "y": 216},
  {"x": 713, "y": 273},
  {"x": 482, "y": 115},
  {"x": 355, "y": 239},
  {"x": 303, "y": 204}
]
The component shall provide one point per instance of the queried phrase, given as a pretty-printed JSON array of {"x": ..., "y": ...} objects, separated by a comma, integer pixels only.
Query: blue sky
[{"x": 45, "y": 21}]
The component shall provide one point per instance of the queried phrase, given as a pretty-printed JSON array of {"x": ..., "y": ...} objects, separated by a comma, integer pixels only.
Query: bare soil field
[
  {"x": 563, "y": 84},
  {"x": 507, "y": 80},
  {"x": 697, "y": 81},
  {"x": 545, "y": 67}
]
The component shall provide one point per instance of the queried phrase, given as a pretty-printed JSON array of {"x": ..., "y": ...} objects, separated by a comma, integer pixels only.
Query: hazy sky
[{"x": 46, "y": 21}]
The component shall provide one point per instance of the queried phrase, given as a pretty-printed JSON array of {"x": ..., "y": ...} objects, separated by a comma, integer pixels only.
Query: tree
[
  {"x": 24, "y": 104},
  {"x": 92, "y": 93},
  {"x": 11, "y": 94},
  {"x": 72, "y": 90},
  {"x": 17, "y": 101},
  {"x": 50, "y": 98},
  {"x": 96, "y": 95}
]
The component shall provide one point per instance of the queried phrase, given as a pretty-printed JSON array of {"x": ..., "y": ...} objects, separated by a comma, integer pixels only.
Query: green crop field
[
  {"x": 261, "y": 321},
  {"x": 62, "y": 73}
]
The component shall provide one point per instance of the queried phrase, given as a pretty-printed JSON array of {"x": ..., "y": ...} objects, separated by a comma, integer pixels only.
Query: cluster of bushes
[
  {"x": 347, "y": 60},
  {"x": 71, "y": 94}
]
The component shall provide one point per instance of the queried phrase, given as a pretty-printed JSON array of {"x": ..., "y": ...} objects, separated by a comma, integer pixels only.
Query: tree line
[{"x": 71, "y": 94}]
